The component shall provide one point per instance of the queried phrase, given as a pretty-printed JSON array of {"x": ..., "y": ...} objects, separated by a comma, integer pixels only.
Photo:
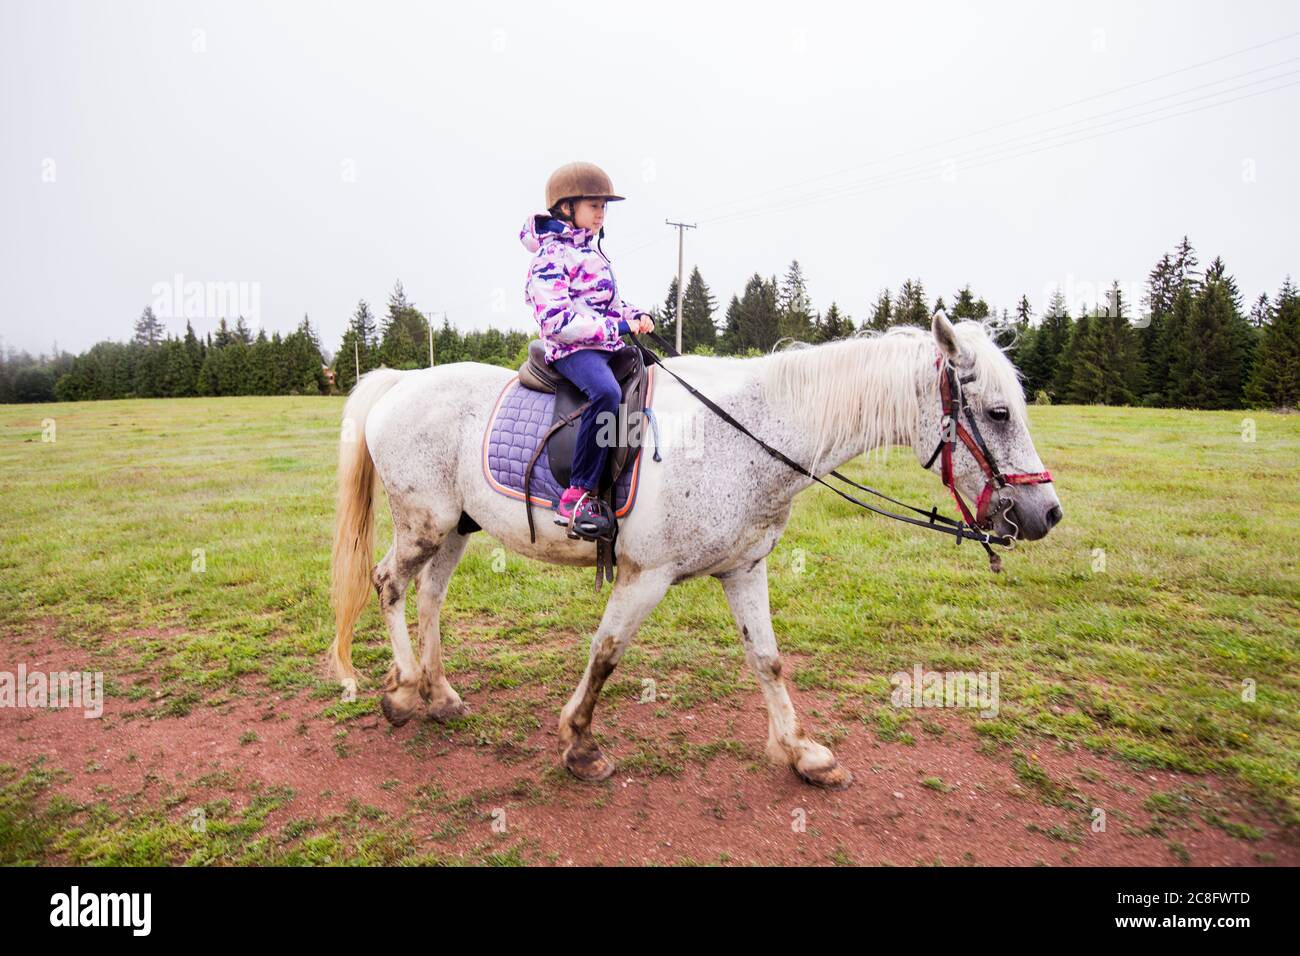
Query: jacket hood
[{"x": 541, "y": 228}]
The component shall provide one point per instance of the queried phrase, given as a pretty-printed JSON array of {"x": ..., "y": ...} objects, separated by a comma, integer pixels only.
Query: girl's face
[{"x": 589, "y": 214}]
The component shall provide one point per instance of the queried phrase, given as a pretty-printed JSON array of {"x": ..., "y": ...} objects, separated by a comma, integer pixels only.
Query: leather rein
[{"x": 969, "y": 527}]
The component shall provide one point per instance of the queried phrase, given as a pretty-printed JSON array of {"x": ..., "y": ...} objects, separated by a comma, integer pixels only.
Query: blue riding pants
[{"x": 589, "y": 370}]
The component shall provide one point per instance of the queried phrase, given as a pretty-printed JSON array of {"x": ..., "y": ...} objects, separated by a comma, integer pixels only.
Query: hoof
[
  {"x": 397, "y": 716},
  {"x": 588, "y": 764},
  {"x": 447, "y": 711},
  {"x": 400, "y": 705},
  {"x": 831, "y": 777}
]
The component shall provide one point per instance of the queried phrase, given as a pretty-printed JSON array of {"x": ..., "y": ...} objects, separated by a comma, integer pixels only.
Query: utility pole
[
  {"x": 356, "y": 355},
  {"x": 681, "y": 233}
]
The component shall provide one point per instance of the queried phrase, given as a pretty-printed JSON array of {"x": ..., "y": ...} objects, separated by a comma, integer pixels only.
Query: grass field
[{"x": 191, "y": 539}]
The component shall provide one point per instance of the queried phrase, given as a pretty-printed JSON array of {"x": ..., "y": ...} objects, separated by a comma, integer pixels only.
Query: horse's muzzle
[{"x": 1035, "y": 510}]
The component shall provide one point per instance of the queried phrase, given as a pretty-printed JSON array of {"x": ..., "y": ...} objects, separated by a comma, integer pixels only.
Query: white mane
[{"x": 866, "y": 388}]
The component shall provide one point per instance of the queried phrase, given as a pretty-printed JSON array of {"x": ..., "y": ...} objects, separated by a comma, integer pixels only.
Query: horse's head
[{"x": 974, "y": 432}]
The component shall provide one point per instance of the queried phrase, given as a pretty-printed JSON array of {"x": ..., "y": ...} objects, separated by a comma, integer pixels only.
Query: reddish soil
[{"x": 731, "y": 807}]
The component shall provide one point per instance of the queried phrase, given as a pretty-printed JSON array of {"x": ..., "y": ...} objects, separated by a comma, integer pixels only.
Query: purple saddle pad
[{"x": 521, "y": 418}]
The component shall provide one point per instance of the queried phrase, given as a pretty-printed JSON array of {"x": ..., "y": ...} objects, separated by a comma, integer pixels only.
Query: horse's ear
[{"x": 945, "y": 336}]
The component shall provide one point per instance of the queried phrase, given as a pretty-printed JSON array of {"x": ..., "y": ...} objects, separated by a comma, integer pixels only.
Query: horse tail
[{"x": 354, "y": 524}]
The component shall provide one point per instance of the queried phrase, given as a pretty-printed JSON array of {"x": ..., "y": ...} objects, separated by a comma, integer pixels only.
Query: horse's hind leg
[
  {"x": 442, "y": 701},
  {"x": 392, "y": 577}
]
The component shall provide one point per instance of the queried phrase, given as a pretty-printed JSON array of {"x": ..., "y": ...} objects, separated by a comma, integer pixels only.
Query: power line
[
  {"x": 780, "y": 204},
  {"x": 928, "y": 172},
  {"x": 1006, "y": 123},
  {"x": 849, "y": 188}
]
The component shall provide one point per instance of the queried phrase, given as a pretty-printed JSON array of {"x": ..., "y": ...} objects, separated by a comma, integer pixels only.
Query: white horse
[{"x": 716, "y": 505}]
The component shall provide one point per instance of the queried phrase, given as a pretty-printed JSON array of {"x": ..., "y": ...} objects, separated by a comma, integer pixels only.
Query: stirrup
[{"x": 593, "y": 527}]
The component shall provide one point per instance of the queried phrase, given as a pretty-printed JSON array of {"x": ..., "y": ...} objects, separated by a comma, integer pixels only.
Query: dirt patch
[{"x": 691, "y": 787}]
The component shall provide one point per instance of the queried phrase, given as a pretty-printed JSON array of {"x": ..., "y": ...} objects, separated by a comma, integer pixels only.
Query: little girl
[{"x": 575, "y": 300}]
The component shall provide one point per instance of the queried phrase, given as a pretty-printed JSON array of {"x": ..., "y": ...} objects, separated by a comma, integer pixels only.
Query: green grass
[{"x": 103, "y": 532}]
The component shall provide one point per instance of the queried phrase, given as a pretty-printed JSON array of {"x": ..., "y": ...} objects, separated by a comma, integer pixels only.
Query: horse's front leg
[
  {"x": 634, "y": 597},
  {"x": 746, "y": 590}
]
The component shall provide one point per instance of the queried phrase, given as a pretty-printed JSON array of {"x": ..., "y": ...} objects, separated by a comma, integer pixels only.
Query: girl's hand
[{"x": 646, "y": 324}]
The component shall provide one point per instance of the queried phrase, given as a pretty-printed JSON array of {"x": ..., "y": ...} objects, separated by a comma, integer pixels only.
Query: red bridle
[{"x": 952, "y": 429}]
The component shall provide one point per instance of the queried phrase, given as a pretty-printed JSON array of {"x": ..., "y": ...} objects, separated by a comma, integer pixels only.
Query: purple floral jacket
[{"x": 571, "y": 289}]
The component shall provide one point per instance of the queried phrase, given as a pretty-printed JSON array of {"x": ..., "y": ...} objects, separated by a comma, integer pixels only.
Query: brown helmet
[{"x": 579, "y": 181}]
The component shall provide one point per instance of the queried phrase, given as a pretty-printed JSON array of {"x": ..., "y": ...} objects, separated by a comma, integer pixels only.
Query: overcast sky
[{"x": 317, "y": 152}]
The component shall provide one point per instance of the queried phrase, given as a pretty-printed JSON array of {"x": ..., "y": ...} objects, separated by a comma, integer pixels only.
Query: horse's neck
[
  {"x": 796, "y": 430},
  {"x": 848, "y": 412}
]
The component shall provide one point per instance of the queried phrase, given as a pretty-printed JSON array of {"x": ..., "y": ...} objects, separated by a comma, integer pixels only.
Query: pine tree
[
  {"x": 359, "y": 341},
  {"x": 794, "y": 306},
  {"x": 1174, "y": 351},
  {"x": 910, "y": 307},
  {"x": 1261, "y": 312},
  {"x": 177, "y": 370},
  {"x": 1209, "y": 345},
  {"x": 1162, "y": 288},
  {"x": 363, "y": 322},
  {"x": 1106, "y": 364},
  {"x": 242, "y": 331},
  {"x": 966, "y": 306},
  {"x": 404, "y": 340},
  {"x": 835, "y": 325},
  {"x": 1275, "y": 379},
  {"x": 148, "y": 330},
  {"x": 1069, "y": 358},
  {"x": 263, "y": 358},
  {"x": 882, "y": 312},
  {"x": 447, "y": 345},
  {"x": 1184, "y": 264},
  {"x": 698, "y": 306},
  {"x": 1024, "y": 312},
  {"x": 305, "y": 327},
  {"x": 148, "y": 371},
  {"x": 730, "y": 341},
  {"x": 765, "y": 316},
  {"x": 1050, "y": 345},
  {"x": 193, "y": 351},
  {"x": 753, "y": 320}
]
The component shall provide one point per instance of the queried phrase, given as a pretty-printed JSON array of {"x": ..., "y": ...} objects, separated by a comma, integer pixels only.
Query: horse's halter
[{"x": 951, "y": 429}]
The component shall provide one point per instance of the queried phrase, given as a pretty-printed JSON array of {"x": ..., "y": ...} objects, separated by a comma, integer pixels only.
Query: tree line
[
  {"x": 402, "y": 340},
  {"x": 1190, "y": 343}
]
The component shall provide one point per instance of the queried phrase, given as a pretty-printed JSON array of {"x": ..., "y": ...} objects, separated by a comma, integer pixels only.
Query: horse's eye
[{"x": 999, "y": 414}]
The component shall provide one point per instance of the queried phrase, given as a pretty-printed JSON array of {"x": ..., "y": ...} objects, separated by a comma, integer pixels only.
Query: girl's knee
[{"x": 607, "y": 394}]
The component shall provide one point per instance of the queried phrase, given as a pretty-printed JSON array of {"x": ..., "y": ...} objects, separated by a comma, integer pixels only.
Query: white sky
[{"x": 227, "y": 164}]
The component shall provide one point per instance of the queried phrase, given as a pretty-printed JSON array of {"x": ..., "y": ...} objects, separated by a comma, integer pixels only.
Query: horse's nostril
[{"x": 1054, "y": 515}]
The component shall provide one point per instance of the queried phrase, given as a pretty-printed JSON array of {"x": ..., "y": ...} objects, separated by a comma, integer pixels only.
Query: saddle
[
  {"x": 631, "y": 373},
  {"x": 560, "y": 441}
]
